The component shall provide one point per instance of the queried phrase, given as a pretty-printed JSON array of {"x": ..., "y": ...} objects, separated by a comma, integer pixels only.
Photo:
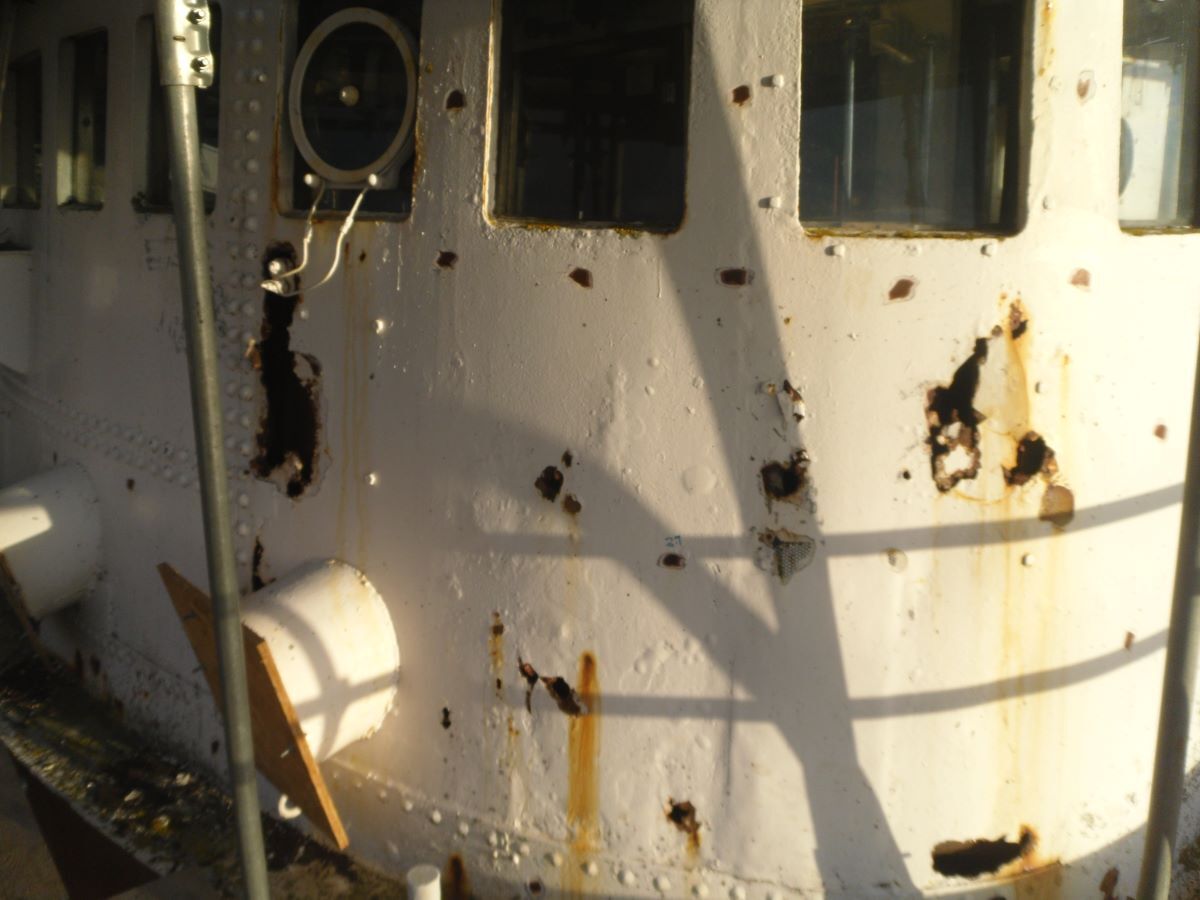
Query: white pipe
[
  {"x": 50, "y": 538},
  {"x": 335, "y": 648},
  {"x": 424, "y": 883}
]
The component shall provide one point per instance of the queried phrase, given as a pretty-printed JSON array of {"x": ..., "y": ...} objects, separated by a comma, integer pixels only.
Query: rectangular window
[
  {"x": 593, "y": 111},
  {"x": 155, "y": 193},
  {"x": 1160, "y": 90},
  {"x": 911, "y": 114},
  {"x": 21, "y": 152},
  {"x": 83, "y": 69}
]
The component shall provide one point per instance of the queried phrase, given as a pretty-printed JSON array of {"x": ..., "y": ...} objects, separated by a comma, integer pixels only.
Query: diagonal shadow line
[{"x": 866, "y": 543}]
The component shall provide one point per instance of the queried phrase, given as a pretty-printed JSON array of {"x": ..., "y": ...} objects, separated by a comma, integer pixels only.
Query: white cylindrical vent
[
  {"x": 424, "y": 883},
  {"x": 333, "y": 643},
  {"x": 50, "y": 538}
]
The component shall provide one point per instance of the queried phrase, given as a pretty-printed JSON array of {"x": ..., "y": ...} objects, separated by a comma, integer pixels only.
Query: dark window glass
[
  {"x": 155, "y": 195},
  {"x": 21, "y": 171},
  {"x": 354, "y": 101},
  {"x": 1160, "y": 90},
  {"x": 593, "y": 111},
  {"x": 86, "y": 59},
  {"x": 910, "y": 114}
]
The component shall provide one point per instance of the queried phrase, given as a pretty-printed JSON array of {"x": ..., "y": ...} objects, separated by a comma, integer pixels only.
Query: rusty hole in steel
[
  {"x": 572, "y": 505},
  {"x": 549, "y": 483},
  {"x": 1034, "y": 457},
  {"x": 446, "y": 259},
  {"x": 785, "y": 480},
  {"x": 568, "y": 459},
  {"x": 954, "y": 423},
  {"x": 564, "y": 695},
  {"x": 362, "y": 256},
  {"x": 971, "y": 859},
  {"x": 735, "y": 277},
  {"x": 1160, "y": 432},
  {"x": 1058, "y": 506},
  {"x": 529, "y": 673},
  {"x": 1108, "y": 884},
  {"x": 535, "y": 887},
  {"x": 445, "y": 717},
  {"x": 672, "y": 560},
  {"x": 682, "y": 814},
  {"x": 130, "y": 484},
  {"x": 581, "y": 277},
  {"x": 257, "y": 581},
  {"x": 1081, "y": 278},
  {"x": 456, "y": 99},
  {"x": 903, "y": 289},
  {"x": 741, "y": 94},
  {"x": 288, "y": 431},
  {"x": 1018, "y": 320},
  {"x": 497, "y": 625},
  {"x": 906, "y": 474},
  {"x": 1128, "y": 640},
  {"x": 455, "y": 882}
]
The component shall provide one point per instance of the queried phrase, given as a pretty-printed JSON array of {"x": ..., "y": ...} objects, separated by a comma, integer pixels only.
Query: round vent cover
[{"x": 353, "y": 96}]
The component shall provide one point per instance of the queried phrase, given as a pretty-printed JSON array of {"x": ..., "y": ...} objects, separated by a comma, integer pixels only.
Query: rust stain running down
[
  {"x": 1108, "y": 884},
  {"x": 583, "y": 785},
  {"x": 954, "y": 423},
  {"x": 971, "y": 859},
  {"x": 288, "y": 432},
  {"x": 454, "y": 879},
  {"x": 682, "y": 815}
]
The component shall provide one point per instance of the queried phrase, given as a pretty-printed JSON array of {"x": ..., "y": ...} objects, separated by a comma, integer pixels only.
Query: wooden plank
[{"x": 281, "y": 751}]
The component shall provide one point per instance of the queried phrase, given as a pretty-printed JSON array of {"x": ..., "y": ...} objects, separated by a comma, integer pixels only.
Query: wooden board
[{"x": 281, "y": 751}]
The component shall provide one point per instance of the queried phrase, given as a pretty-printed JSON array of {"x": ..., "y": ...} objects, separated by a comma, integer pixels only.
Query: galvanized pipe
[
  {"x": 199, "y": 325},
  {"x": 1179, "y": 682}
]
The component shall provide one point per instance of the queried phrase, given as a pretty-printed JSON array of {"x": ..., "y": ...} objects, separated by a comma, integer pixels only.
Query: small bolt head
[
  {"x": 196, "y": 16},
  {"x": 200, "y": 64}
]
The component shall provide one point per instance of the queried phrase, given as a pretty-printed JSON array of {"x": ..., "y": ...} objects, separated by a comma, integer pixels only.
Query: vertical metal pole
[
  {"x": 181, "y": 59},
  {"x": 848, "y": 113},
  {"x": 1179, "y": 679}
]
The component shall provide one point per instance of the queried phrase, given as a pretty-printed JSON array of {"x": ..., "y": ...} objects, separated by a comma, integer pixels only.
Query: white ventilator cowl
[
  {"x": 335, "y": 648},
  {"x": 50, "y": 538}
]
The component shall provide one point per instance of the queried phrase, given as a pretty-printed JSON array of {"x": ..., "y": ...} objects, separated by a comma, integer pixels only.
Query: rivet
[
  {"x": 1047, "y": 202},
  {"x": 247, "y": 393},
  {"x": 627, "y": 877},
  {"x": 556, "y": 859},
  {"x": 738, "y": 892},
  {"x": 254, "y": 106},
  {"x": 250, "y": 252},
  {"x": 516, "y": 859},
  {"x": 525, "y": 849},
  {"x": 244, "y": 420},
  {"x": 251, "y": 195},
  {"x": 250, "y": 224},
  {"x": 662, "y": 883},
  {"x": 435, "y": 817},
  {"x": 590, "y": 868},
  {"x": 1028, "y": 560},
  {"x": 252, "y": 166},
  {"x": 838, "y": 250},
  {"x": 700, "y": 890},
  {"x": 493, "y": 839},
  {"x": 408, "y": 806},
  {"x": 243, "y": 529},
  {"x": 464, "y": 829},
  {"x": 252, "y": 135},
  {"x": 380, "y": 326},
  {"x": 988, "y": 249},
  {"x": 774, "y": 202},
  {"x": 246, "y": 450},
  {"x": 243, "y": 500},
  {"x": 774, "y": 81},
  {"x": 304, "y": 314}
]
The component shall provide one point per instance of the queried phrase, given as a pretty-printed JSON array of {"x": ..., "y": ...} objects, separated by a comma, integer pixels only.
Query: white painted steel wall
[{"x": 948, "y": 667}]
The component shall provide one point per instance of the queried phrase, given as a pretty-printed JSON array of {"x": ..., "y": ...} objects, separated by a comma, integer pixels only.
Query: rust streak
[
  {"x": 496, "y": 652},
  {"x": 583, "y": 786}
]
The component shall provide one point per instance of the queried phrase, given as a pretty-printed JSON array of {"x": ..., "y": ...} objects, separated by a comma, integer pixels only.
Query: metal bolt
[
  {"x": 196, "y": 16},
  {"x": 200, "y": 64}
]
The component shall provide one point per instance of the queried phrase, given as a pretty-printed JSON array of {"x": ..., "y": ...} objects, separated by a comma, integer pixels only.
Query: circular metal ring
[{"x": 401, "y": 146}]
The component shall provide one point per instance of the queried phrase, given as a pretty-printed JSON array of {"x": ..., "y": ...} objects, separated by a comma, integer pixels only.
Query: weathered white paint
[
  {"x": 335, "y": 648},
  {"x": 947, "y": 667},
  {"x": 50, "y": 539}
]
